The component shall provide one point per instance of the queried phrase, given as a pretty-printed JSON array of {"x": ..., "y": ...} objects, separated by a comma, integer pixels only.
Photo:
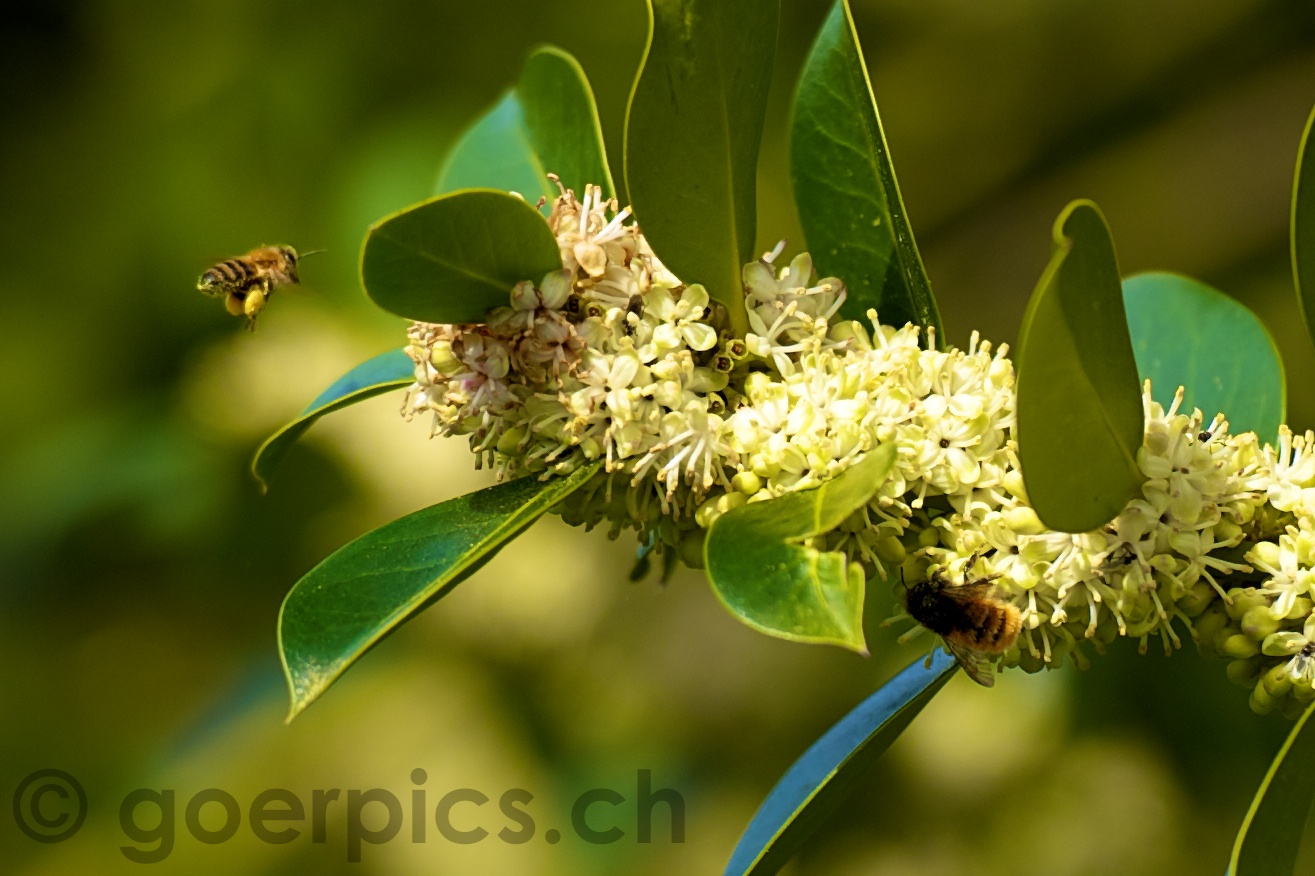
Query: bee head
[
  {"x": 920, "y": 596},
  {"x": 290, "y": 257}
]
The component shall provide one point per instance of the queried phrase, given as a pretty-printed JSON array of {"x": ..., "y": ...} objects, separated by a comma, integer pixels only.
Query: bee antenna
[{"x": 310, "y": 252}]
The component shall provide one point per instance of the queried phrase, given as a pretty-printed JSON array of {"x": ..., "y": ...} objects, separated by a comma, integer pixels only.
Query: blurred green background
[{"x": 141, "y": 572}]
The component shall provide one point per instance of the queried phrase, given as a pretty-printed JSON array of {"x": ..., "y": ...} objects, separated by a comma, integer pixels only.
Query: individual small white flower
[
  {"x": 678, "y": 317},
  {"x": 1287, "y": 472}
]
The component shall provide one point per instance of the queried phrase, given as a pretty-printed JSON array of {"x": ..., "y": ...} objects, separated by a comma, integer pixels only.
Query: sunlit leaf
[
  {"x": 692, "y": 134},
  {"x": 819, "y": 781},
  {"x": 762, "y": 569},
  {"x": 844, "y": 185},
  {"x": 454, "y": 257},
  {"x": 1079, "y": 398},
  {"x": 383, "y": 373},
  {"x": 547, "y": 123},
  {"x": 1303, "y": 226},
  {"x": 1186, "y": 334},
  {"x": 369, "y": 587},
  {"x": 1270, "y": 837}
]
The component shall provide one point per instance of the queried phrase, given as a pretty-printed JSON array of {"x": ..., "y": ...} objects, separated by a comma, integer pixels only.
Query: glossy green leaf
[
  {"x": 844, "y": 185},
  {"x": 1079, "y": 399},
  {"x": 454, "y": 257},
  {"x": 547, "y": 123},
  {"x": 371, "y": 586},
  {"x": 692, "y": 135},
  {"x": 383, "y": 373},
  {"x": 1186, "y": 334},
  {"x": 1270, "y": 837},
  {"x": 762, "y": 568},
  {"x": 818, "y": 783},
  {"x": 1303, "y": 227}
]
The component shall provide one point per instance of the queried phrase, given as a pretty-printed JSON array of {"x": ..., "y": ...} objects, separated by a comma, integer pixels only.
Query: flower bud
[
  {"x": 1243, "y": 672},
  {"x": 1277, "y": 681},
  {"x": 890, "y": 549},
  {"x": 1023, "y": 520},
  {"x": 690, "y": 549},
  {"x": 1013, "y": 482},
  {"x": 1226, "y": 531},
  {"x": 747, "y": 482},
  {"x": 1265, "y": 553},
  {"x": 1209, "y": 624},
  {"x": 1258, "y": 623},
  {"x": 524, "y": 296},
  {"x": 1301, "y": 608},
  {"x": 1197, "y": 598},
  {"x": 443, "y": 359},
  {"x": 1239, "y": 646},
  {"x": 1244, "y": 601},
  {"x": 555, "y": 289},
  {"x": 1262, "y": 703},
  {"x": 510, "y": 440}
]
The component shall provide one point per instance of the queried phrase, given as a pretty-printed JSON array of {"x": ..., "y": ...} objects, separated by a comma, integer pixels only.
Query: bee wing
[
  {"x": 973, "y": 591},
  {"x": 975, "y": 666}
]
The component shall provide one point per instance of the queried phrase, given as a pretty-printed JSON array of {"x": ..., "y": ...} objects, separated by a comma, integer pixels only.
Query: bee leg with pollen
[
  {"x": 254, "y": 303},
  {"x": 233, "y": 303}
]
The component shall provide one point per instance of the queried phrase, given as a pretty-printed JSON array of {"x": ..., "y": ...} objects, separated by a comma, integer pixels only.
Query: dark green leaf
[
  {"x": 844, "y": 185},
  {"x": 548, "y": 122},
  {"x": 1186, "y": 334},
  {"x": 763, "y": 570},
  {"x": 369, "y": 587},
  {"x": 1079, "y": 399},
  {"x": 815, "y": 786},
  {"x": 1270, "y": 837},
  {"x": 385, "y": 372},
  {"x": 692, "y": 135},
  {"x": 455, "y": 257},
  {"x": 1303, "y": 226}
]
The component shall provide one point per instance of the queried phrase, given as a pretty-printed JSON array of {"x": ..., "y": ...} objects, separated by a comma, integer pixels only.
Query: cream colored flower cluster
[
  {"x": 609, "y": 358},
  {"x": 612, "y": 358},
  {"x": 1267, "y": 628},
  {"x": 1162, "y": 562}
]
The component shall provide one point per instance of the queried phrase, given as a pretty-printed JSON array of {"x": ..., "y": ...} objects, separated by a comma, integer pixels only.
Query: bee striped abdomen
[
  {"x": 231, "y": 275},
  {"x": 236, "y": 270},
  {"x": 987, "y": 625},
  {"x": 971, "y": 614}
]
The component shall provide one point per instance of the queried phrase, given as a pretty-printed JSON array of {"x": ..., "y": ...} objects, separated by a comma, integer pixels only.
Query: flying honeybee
[
  {"x": 970, "y": 617},
  {"x": 247, "y": 281}
]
